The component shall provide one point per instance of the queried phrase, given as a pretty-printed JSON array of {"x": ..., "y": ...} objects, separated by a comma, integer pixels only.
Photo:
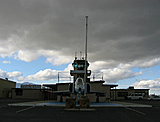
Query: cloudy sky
[{"x": 39, "y": 38}]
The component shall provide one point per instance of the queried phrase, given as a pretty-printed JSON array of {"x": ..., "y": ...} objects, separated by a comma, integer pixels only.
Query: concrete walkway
[{"x": 92, "y": 104}]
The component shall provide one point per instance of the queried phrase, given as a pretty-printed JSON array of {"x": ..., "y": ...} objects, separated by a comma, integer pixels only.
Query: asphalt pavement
[{"x": 59, "y": 114}]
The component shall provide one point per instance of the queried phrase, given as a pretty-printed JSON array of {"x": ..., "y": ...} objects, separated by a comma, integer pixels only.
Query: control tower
[
  {"x": 80, "y": 75},
  {"x": 81, "y": 72},
  {"x": 79, "y": 69}
]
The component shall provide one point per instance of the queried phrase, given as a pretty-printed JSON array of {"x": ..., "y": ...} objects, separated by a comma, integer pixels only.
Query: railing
[{"x": 80, "y": 72}]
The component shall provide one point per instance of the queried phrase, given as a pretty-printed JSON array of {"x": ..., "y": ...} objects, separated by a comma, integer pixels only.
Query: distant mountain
[{"x": 18, "y": 85}]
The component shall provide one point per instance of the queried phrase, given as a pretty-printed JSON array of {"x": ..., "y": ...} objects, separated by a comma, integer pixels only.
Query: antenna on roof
[
  {"x": 86, "y": 37},
  {"x": 75, "y": 55},
  {"x": 85, "y": 77},
  {"x": 80, "y": 55}
]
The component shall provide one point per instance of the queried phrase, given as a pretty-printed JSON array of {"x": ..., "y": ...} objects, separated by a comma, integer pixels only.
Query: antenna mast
[
  {"x": 85, "y": 81},
  {"x": 86, "y": 37}
]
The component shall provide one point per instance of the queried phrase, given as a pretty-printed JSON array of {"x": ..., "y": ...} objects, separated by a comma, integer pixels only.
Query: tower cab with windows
[{"x": 78, "y": 74}]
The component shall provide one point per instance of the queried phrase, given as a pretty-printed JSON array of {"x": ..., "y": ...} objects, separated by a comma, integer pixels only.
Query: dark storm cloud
[{"x": 124, "y": 30}]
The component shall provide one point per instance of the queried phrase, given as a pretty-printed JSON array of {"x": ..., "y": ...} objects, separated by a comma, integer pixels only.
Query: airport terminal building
[
  {"x": 5, "y": 88},
  {"x": 104, "y": 91},
  {"x": 96, "y": 90},
  {"x": 52, "y": 91},
  {"x": 120, "y": 94}
]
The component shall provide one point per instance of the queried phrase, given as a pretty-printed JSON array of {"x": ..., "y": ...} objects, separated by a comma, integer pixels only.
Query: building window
[
  {"x": 122, "y": 94},
  {"x": 19, "y": 92}
]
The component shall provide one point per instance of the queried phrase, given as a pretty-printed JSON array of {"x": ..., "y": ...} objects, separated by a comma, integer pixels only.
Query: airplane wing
[
  {"x": 98, "y": 93},
  {"x": 67, "y": 93},
  {"x": 63, "y": 93}
]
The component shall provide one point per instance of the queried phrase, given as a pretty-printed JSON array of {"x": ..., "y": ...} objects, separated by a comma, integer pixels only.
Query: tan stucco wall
[
  {"x": 28, "y": 94},
  {"x": 100, "y": 87},
  {"x": 5, "y": 87},
  {"x": 63, "y": 87}
]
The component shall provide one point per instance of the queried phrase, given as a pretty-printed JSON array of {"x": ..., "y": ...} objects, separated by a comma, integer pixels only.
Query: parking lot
[{"x": 59, "y": 114}]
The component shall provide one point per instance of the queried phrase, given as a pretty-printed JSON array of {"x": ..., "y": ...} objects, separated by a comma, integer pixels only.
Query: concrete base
[{"x": 77, "y": 109}]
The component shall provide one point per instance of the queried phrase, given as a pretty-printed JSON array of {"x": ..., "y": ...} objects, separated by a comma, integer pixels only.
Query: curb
[{"x": 145, "y": 106}]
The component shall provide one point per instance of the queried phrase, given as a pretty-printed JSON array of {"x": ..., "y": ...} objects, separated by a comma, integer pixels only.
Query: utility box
[
  {"x": 70, "y": 103},
  {"x": 84, "y": 102}
]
